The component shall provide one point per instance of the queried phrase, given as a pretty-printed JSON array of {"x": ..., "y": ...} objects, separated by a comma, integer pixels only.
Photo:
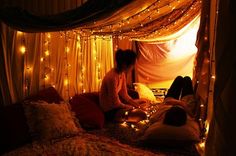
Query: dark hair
[
  {"x": 175, "y": 116},
  {"x": 125, "y": 57}
]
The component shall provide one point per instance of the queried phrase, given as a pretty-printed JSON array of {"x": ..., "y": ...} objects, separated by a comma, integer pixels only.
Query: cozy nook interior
[{"x": 59, "y": 51}]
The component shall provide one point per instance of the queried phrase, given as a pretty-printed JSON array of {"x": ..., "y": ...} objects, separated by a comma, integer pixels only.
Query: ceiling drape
[
  {"x": 43, "y": 7},
  {"x": 136, "y": 20},
  {"x": 50, "y": 40},
  {"x": 24, "y": 20}
]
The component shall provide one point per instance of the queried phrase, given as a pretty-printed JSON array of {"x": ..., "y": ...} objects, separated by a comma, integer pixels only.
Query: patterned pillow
[{"x": 50, "y": 121}]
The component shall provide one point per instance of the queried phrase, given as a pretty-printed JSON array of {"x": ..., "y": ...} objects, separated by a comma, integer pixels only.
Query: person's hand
[
  {"x": 128, "y": 107},
  {"x": 144, "y": 106},
  {"x": 141, "y": 101}
]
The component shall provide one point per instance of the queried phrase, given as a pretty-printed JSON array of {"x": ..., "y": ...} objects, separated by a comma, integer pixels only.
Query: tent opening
[{"x": 162, "y": 59}]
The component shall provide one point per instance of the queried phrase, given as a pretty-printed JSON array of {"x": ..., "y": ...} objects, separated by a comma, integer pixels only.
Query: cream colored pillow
[
  {"x": 50, "y": 121},
  {"x": 144, "y": 92},
  {"x": 161, "y": 134}
]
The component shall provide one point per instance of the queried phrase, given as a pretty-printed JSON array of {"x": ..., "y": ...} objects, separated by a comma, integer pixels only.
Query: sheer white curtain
[{"x": 68, "y": 61}]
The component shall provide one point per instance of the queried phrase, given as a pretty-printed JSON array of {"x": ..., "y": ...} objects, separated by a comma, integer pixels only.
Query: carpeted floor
[{"x": 128, "y": 135}]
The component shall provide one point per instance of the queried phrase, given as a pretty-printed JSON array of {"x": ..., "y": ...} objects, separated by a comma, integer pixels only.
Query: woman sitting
[{"x": 114, "y": 99}]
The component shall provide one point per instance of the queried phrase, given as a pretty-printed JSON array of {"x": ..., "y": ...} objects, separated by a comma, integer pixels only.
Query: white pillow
[
  {"x": 162, "y": 134},
  {"x": 144, "y": 92}
]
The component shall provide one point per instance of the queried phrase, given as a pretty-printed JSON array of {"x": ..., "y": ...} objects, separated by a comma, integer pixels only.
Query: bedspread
[{"x": 80, "y": 145}]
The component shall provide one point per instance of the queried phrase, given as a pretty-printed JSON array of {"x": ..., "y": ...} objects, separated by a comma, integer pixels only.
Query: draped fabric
[
  {"x": 43, "y": 7},
  {"x": 139, "y": 20},
  {"x": 71, "y": 48},
  {"x": 66, "y": 61},
  {"x": 221, "y": 139},
  {"x": 160, "y": 62},
  {"x": 23, "y": 20}
]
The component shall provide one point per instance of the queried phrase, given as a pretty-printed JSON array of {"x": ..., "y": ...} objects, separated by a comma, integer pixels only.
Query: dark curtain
[
  {"x": 87, "y": 13},
  {"x": 221, "y": 138}
]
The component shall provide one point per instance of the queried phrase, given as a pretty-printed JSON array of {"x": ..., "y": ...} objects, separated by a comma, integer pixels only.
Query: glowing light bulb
[
  {"x": 124, "y": 124},
  {"x": 67, "y": 49},
  {"x": 41, "y": 59},
  {"x": 49, "y": 35},
  {"x": 19, "y": 33},
  {"x": 47, "y": 53},
  {"x": 202, "y": 145},
  {"x": 22, "y": 49},
  {"x": 66, "y": 82}
]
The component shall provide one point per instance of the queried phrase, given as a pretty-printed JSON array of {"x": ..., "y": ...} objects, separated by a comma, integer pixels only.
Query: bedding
[
  {"x": 83, "y": 144},
  {"x": 165, "y": 135},
  {"x": 16, "y": 139}
]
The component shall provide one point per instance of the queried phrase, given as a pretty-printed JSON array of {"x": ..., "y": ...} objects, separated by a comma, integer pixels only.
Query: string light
[
  {"x": 22, "y": 49},
  {"x": 66, "y": 81}
]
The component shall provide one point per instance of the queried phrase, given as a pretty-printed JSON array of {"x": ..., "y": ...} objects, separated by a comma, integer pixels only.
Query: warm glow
[
  {"x": 49, "y": 35},
  {"x": 47, "y": 53},
  {"x": 99, "y": 65},
  {"x": 132, "y": 126},
  {"x": 185, "y": 45},
  {"x": 78, "y": 45},
  {"x": 46, "y": 77},
  {"x": 66, "y": 82},
  {"x": 67, "y": 49},
  {"x": 202, "y": 145},
  {"x": 207, "y": 127},
  {"x": 28, "y": 68},
  {"x": 19, "y": 33},
  {"x": 124, "y": 124},
  {"x": 41, "y": 59},
  {"x": 22, "y": 49},
  {"x": 143, "y": 122}
]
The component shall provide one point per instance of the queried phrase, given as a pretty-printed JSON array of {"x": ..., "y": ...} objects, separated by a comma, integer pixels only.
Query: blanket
[{"x": 80, "y": 145}]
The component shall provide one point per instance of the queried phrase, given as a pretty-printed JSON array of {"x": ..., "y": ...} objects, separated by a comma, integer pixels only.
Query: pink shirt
[{"x": 113, "y": 87}]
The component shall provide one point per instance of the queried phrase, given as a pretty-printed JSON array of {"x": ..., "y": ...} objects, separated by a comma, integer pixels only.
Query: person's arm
[
  {"x": 172, "y": 101},
  {"x": 113, "y": 92},
  {"x": 124, "y": 94}
]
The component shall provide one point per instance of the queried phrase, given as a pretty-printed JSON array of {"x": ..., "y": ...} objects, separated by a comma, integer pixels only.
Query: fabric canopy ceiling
[{"x": 134, "y": 19}]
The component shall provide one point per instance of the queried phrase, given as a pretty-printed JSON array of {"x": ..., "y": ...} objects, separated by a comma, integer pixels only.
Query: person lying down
[{"x": 179, "y": 103}]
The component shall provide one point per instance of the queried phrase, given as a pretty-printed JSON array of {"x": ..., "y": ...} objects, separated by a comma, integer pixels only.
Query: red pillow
[
  {"x": 87, "y": 111},
  {"x": 49, "y": 95},
  {"x": 93, "y": 96}
]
